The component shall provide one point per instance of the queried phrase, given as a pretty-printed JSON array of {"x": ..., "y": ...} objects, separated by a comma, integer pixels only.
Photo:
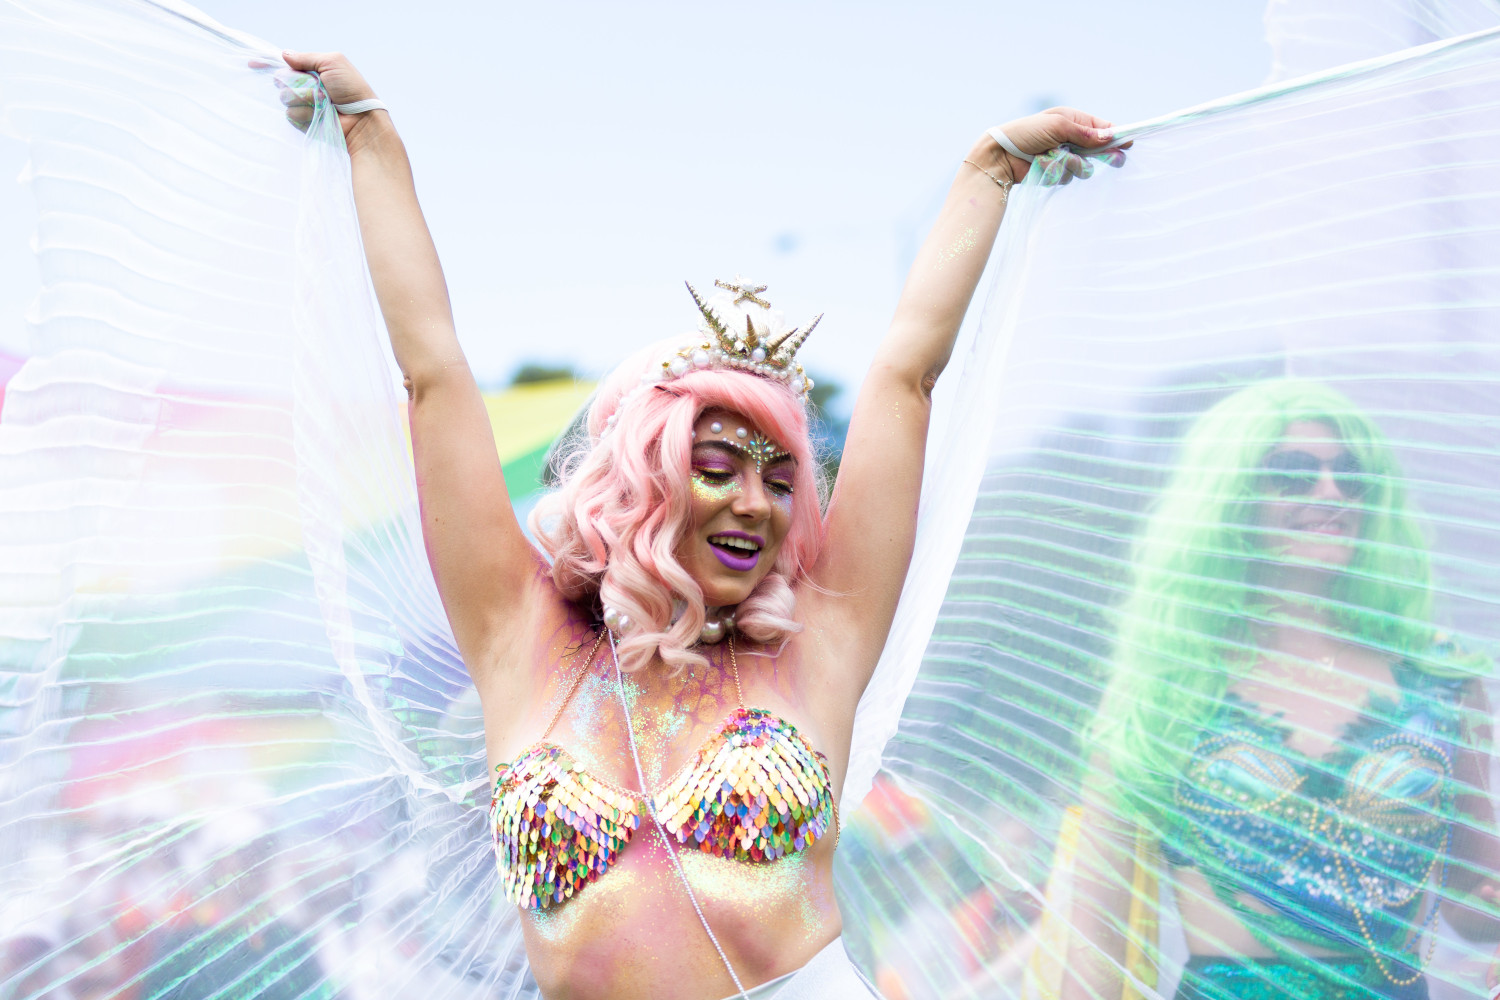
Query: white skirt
[{"x": 829, "y": 975}]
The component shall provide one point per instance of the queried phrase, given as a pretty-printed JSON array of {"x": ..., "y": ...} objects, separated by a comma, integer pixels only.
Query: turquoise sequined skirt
[{"x": 1212, "y": 978}]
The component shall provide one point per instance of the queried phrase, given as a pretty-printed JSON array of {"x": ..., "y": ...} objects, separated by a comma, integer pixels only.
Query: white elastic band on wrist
[
  {"x": 369, "y": 104},
  {"x": 1005, "y": 144}
]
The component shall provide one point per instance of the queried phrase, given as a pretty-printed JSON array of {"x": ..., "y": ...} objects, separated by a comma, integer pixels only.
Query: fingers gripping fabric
[{"x": 239, "y": 751}]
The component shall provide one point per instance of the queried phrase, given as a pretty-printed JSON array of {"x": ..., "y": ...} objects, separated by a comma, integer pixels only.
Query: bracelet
[
  {"x": 360, "y": 107},
  {"x": 1004, "y": 182}
]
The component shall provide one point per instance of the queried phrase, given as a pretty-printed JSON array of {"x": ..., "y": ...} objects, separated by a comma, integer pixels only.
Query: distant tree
[
  {"x": 827, "y": 430},
  {"x": 533, "y": 372},
  {"x": 823, "y": 391}
]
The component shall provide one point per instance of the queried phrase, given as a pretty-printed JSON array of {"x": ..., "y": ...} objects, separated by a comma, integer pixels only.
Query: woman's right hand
[{"x": 341, "y": 80}]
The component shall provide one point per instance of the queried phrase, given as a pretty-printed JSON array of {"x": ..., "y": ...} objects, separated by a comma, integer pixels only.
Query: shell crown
[{"x": 741, "y": 331}]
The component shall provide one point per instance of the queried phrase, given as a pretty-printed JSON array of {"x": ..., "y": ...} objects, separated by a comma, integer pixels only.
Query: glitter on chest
[{"x": 598, "y": 727}]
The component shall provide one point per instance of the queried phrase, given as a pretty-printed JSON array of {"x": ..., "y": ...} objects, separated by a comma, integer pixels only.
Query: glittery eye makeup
[
  {"x": 714, "y": 485},
  {"x": 781, "y": 477}
]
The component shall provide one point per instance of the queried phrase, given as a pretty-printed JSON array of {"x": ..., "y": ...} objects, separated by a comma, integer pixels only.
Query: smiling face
[
  {"x": 1312, "y": 489},
  {"x": 741, "y": 492}
]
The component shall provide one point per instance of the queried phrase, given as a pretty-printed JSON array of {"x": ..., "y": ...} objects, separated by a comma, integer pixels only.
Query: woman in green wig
[{"x": 1286, "y": 744}]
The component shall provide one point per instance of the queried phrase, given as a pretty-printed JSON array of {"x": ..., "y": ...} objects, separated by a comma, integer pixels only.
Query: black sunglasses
[{"x": 1296, "y": 474}]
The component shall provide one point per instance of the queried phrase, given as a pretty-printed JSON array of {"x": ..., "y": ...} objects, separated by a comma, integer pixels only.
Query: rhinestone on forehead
[{"x": 763, "y": 450}]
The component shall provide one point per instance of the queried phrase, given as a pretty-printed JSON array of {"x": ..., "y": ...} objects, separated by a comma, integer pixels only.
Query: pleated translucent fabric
[
  {"x": 1215, "y": 508},
  {"x": 241, "y": 756},
  {"x": 1186, "y": 684}
]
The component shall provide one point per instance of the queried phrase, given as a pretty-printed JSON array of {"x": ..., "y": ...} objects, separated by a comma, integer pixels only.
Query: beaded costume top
[
  {"x": 1339, "y": 849},
  {"x": 755, "y": 791}
]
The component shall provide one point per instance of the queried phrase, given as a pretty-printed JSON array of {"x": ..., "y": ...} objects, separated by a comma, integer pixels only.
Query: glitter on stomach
[
  {"x": 634, "y": 932},
  {"x": 751, "y": 895}
]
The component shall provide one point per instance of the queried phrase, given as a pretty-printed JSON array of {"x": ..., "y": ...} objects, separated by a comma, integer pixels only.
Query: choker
[{"x": 715, "y": 625}]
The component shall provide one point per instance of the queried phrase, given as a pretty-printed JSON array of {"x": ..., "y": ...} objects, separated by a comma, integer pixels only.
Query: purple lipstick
[{"x": 736, "y": 549}]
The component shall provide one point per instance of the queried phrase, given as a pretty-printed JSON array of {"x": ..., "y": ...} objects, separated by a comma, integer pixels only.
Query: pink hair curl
[{"x": 622, "y": 506}]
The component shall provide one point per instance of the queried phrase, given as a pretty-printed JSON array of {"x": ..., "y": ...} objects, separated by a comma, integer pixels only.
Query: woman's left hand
[{"x": 1054, "y": 137}]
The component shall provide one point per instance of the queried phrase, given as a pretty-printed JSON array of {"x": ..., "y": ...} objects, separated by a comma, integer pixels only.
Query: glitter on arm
[{"x": 966, "y": 241}]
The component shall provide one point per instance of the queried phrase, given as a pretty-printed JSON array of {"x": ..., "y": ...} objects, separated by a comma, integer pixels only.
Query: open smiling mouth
[
  {"x": 1335, "y": 523},
  {"x": 737, "y": 551}
]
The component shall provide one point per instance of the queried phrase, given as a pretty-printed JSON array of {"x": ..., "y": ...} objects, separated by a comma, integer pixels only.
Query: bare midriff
[{"x": 634, "y": 933}]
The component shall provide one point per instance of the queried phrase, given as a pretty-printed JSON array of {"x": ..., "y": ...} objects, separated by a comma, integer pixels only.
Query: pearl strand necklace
[{"x": 714, "y": 629}]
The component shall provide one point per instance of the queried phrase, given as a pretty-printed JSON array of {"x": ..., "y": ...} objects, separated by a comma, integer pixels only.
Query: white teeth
[{"x": 735, "y": 543}]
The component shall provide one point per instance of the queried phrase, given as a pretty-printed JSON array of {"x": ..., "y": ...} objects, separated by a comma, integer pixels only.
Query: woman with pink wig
[{"x": 669, "y": 685}]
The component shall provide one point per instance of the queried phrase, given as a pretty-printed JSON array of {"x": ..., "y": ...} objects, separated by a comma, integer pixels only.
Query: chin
[
  {"x": 1332, "y": 553},
  {"x": 727, "y": 594}
]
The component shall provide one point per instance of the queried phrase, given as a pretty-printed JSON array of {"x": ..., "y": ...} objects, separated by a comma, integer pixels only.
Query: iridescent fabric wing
[
  {"x": 1307, "y": 36},
  {"x": 1085, "y": 736},
  {"x": 240, "y": 752}
]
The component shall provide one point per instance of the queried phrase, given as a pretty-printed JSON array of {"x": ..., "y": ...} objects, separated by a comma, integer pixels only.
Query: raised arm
[
  {"x": 871, "y": 524},
  {"x": 480, "y": 559}
]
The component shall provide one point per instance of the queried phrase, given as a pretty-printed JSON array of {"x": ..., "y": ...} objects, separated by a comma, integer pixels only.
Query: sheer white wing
[
  {"x": 239, "y": 747},
  {"x": 1342, "y": 228},
  {"x": 1308, "y": 36}
]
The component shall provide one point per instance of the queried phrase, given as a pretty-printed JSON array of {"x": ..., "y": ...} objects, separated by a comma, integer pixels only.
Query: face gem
[{"x": 764, "y": 451}]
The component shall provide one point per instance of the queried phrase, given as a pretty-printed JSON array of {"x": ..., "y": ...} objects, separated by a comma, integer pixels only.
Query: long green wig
[{"x": 1186, "y": 629}]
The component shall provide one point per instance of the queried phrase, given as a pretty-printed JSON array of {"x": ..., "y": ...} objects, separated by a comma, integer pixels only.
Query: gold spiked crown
[{"x": 735, "y": 337}]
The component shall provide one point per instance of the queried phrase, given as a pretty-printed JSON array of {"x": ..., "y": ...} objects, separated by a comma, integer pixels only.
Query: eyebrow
[{"x": 744, "y": 452}]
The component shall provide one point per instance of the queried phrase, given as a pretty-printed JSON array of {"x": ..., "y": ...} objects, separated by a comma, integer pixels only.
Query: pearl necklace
[{"x": 715, "y": 626}]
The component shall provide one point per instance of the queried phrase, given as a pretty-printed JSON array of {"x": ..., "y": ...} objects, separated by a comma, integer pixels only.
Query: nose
[
  {"x": 752, "y": 501},
  {"x": 1326, "y": 488}
]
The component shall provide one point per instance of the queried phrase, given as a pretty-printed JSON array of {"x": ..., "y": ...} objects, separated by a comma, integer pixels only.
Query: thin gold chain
[
  {"x": 734, "y": 665},
  {"x": 573, "y": 684},
  {"x": 1005, "y": 184}
]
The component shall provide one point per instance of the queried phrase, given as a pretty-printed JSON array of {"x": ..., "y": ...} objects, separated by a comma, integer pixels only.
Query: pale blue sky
[{"x": 578, "y": 160}]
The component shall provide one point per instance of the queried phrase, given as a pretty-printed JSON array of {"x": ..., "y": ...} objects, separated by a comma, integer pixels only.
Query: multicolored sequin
[
  {"x": 1272, "y": 979},
  {"x": 756, "y": 791},
  {"x": 1340, "y": 849},
  {"x": 557, "y": 827}
]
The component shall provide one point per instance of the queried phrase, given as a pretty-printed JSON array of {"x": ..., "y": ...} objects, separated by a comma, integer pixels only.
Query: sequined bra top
[
  {"x": 756, "y": 791},
  {"x": 1339, "y": 849}
]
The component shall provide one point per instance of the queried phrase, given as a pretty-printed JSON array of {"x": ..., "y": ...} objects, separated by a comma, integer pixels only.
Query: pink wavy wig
[{"x": 622, "y": 506}]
